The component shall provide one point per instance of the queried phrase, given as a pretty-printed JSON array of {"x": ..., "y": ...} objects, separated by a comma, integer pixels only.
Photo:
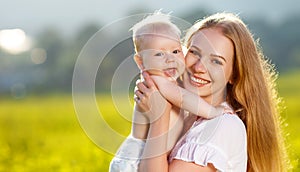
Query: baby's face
[{"x": 162, "y": 55}]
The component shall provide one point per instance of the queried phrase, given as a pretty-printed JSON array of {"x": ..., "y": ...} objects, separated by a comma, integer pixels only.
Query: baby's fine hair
[{"x": 157, "y": 23}]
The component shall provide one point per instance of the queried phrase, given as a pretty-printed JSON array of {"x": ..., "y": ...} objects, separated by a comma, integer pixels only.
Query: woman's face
[{"x": 209, "y": 62}]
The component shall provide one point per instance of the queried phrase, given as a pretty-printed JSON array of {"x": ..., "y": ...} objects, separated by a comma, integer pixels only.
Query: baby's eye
[
  {"x": 159, "y": 54},
  {"x": 176, "y": 52}
]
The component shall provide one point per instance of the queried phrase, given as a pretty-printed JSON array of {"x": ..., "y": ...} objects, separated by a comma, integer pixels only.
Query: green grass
[
  {"x": 43, "y": 133},
  {"x": 289, "y": 90}
]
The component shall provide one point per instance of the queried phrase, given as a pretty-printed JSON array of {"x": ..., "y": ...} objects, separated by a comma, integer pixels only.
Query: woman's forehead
[
  {"x": 212, "y": 41},
  {"x": 201, "y": 40},
  {"x": 210, "y": 36}
]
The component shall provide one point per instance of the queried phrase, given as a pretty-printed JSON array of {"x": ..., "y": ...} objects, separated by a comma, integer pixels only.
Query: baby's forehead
[
  {"x": 156, "y": 36},
  {"x": 158, "y": 42},
  {"x": 158, "y": 29}
]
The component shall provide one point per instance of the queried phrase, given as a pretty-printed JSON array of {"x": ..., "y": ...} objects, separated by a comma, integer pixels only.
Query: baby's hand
[
  {"x": 163, "y": 82},
  {"x": 149, "y": 99},
  {"x": 227, "y": 110},
  {"x": 169, "y": 90},
  {"x": 221, "y": 109}
]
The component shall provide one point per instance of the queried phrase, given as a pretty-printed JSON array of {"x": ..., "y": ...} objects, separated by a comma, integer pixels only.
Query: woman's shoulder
[
  {"x": 231, "y": 122},
  {"x": 225, "y": 129},
  {"x": 227, "y": 126},
  {"x": 221, "y": 141},
  {"x": 229, "y": 133}
]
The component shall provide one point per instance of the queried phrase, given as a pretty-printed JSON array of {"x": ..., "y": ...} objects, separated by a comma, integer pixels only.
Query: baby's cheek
[
  {"x": 155, "y": 72},
  {"x": 181, "y": 66},
  {"x": 152, "y": 64}
]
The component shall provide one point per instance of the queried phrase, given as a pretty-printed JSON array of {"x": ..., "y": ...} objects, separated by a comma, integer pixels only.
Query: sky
[{"x": 69, "y": 15}]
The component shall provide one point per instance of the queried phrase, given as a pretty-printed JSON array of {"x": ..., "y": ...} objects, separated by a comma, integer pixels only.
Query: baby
[{"x": 158, "y": 51}]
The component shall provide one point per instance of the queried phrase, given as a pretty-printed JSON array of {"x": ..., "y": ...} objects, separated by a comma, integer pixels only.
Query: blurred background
[{"x": 40, "y": 42}]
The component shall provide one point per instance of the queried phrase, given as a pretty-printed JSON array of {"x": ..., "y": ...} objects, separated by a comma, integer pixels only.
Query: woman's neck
[{"x": 214, "y": 101}]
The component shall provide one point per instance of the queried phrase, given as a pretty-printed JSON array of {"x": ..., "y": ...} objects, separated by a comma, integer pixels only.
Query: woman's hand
[{"x": 151, "y": 103}]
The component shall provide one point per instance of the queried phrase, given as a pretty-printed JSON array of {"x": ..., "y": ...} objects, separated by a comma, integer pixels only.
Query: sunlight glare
[{"x": 14, "y": 41}]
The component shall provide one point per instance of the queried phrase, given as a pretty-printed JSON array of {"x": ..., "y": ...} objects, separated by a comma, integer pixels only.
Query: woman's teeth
[{"x": 197, "y": 80}]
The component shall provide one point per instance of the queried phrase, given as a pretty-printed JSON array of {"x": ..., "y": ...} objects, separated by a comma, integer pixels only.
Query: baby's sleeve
[{"x": 128, "y": 156}]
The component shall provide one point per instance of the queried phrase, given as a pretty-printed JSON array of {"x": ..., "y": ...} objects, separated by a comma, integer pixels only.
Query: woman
[{"x": 224, "y": 65}]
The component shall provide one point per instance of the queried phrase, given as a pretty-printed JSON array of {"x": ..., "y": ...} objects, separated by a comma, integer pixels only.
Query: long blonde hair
[{"x": 252, "y": 93}]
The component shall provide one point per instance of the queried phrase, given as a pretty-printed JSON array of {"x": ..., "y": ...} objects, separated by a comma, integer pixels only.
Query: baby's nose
[{"x": 169, "y": 57}]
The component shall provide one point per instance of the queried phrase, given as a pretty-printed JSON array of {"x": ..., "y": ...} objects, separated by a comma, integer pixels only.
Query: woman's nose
[{"x": 199, "y": 66}]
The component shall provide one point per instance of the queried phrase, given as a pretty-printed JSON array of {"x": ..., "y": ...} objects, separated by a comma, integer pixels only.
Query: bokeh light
[{"x": 38, "y": 55}]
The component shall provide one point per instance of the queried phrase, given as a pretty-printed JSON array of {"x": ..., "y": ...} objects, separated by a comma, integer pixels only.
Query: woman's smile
[{"x": 197, "y": 81}]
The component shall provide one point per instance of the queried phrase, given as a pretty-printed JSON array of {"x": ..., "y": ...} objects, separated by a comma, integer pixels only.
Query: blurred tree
[
  {"x": 288, "y": 42},
  {"x": 54, "y": 45},
  {"x": 51, "y": 40},
  {"x": 280, "y": 43},
  {"x": 84, "y": 34},
  {"x": 72, "y": 52},
  {"x": 61, "y": 57}
]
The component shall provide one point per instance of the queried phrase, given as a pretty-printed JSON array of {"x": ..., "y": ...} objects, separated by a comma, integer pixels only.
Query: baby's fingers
[{"x": 148, "y": 80}]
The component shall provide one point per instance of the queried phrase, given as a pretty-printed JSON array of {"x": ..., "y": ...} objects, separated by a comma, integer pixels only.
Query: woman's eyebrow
[
  {"x": 198, "y": 49},
  {"x": 213, "y": 55},
  {"x": 219, "y": 56}
]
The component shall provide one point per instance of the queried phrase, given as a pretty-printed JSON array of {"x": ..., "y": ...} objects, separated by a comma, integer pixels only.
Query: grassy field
[
  {"x": 43, "y": 133},
  {"x": 289, "y": 90}
]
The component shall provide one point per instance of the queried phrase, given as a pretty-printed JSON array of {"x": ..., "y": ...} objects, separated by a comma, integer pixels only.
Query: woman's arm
[
  {"x": 185, "y": 99},
  {"x": 155, "y": 151},
  {"x": 157, "y": 110},
  {"x": 140, "y": 123},
  {"x": 182, "y": 166}
]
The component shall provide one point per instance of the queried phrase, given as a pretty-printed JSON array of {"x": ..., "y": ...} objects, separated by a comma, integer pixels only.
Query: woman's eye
[
  {"x": 176, "y": 51},
  {"x": 195, "y": 53},
  {"x": 192, "y": 51},
  {"x": 159, "y": 54},
  {"x": 217, "y": 62}
]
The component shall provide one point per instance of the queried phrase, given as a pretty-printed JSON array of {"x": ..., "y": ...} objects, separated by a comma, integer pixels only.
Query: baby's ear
[{"x": 139, "y": 61}]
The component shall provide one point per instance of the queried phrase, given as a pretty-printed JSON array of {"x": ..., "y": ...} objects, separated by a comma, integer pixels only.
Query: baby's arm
[{"x": 185, "y": 99}]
